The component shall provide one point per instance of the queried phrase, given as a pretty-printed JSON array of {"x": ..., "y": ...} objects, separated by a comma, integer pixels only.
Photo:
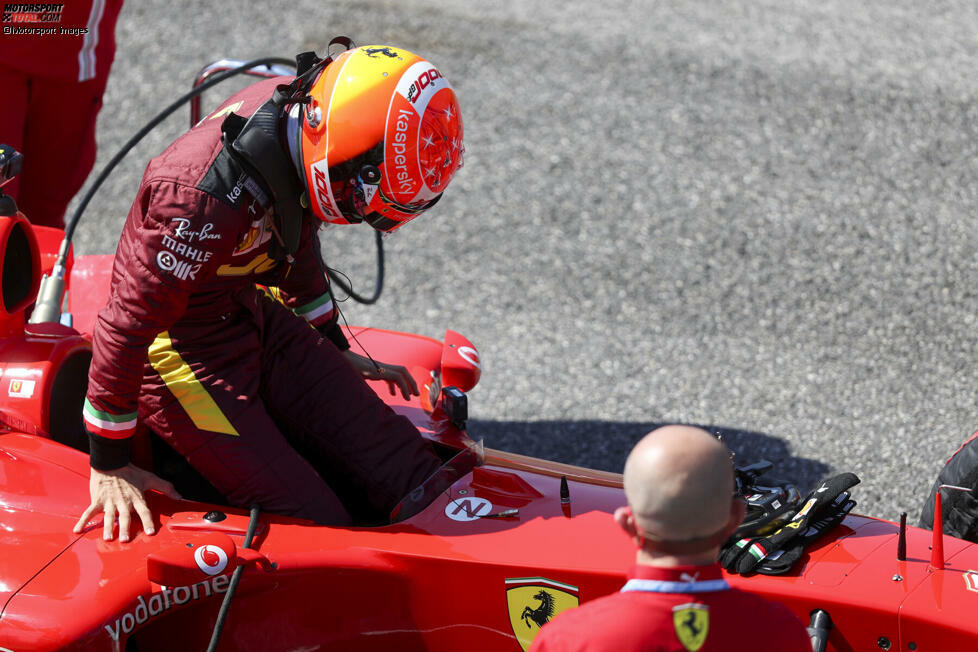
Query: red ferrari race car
[{"x": 479, "y": 557}]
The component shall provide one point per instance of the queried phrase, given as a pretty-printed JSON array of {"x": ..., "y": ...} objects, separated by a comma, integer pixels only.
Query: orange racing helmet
[{"x": 380, "y": 139}]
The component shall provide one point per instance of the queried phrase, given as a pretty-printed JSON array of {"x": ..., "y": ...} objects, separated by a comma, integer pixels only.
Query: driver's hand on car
[
  {"x": 396, "y": 376},
  {"x": 118, "y": 493}
]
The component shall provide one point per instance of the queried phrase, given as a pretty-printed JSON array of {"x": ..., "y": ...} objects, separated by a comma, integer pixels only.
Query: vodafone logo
[
  {"x": 470, "y": 355},
  {"x": 971, "y": 580},
  {"x": 211, "y": 559}
]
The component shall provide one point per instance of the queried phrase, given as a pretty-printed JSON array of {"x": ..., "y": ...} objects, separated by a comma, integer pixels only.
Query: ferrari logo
[
  {"x": 258, "y": 234},
  {"x": 535, "y": 601},
  {"x": 692, "y": 622},
  {"x": 226, "y": 110},
  {"x": 21, "y": 388},
  {"x": 373, "y": 52}
]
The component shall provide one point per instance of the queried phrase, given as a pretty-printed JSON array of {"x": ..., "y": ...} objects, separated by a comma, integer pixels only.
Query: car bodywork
[{"x": 478, "y": 558}]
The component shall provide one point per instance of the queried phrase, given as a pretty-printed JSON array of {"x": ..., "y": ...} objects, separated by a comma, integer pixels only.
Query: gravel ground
[{"x": 755, "y": 215}]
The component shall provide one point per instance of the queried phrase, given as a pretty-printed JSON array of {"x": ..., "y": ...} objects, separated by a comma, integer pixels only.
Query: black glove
[
  {"x": 743, "y": 555},
  {"x": 827, "y": 518}
]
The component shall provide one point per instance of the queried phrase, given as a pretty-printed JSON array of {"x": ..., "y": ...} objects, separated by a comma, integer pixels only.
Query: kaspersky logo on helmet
[{"x": 423, "y": 136}]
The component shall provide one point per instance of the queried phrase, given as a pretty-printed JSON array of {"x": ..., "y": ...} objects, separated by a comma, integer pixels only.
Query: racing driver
[{"x": 220, "y": 333}]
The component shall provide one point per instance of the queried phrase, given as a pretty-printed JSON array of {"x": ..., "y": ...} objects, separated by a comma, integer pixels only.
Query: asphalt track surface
[{"x": 756, "y": 215}]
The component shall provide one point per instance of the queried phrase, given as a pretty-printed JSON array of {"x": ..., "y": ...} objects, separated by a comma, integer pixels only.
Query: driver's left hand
[{"x": 396, "y": 376}]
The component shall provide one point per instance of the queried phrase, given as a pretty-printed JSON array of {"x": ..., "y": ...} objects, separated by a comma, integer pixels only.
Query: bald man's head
[{"x": 678, "y": 482}]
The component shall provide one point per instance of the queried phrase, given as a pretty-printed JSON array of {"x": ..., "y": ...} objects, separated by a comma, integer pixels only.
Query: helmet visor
[
  {"x": 360, "y": 196},
  {"x": 402, "y": 213}
]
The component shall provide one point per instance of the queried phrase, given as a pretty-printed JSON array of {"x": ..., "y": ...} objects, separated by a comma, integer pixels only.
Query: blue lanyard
[{"x": 662, "y": 586}]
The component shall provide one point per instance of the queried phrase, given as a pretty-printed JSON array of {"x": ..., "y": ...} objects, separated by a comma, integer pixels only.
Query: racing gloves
[{"x": 776, "y": 553}]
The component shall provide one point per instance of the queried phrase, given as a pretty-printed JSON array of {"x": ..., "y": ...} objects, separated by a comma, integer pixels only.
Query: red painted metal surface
[
  {"x": 439, "y": 580},
  {"x": 90, "y": 279},
  {"x": 29, "y": 366}
]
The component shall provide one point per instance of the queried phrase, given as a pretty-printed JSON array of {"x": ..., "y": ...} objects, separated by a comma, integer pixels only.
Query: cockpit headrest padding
[{"x": 21, "y": 264}]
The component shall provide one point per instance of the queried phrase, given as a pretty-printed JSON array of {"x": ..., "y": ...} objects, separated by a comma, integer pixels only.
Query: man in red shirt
[
  {"x": 54, "y": 64},
  {"x": 679, "y": 482}
]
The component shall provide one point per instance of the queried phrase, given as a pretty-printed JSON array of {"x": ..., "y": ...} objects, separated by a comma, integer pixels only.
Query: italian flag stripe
[
  {"x": 316, "y": 309},
  {"x": 321, "y": 316},
  {"x": 315, "y": 305},
  {"x": 540, "y": 580},
  {"x": 114, "y": 426},
  {"x": 757, "y": 551}
]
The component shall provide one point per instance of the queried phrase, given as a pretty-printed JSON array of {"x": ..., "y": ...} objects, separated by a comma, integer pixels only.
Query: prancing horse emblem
[
  {"x": 533, "y": 602},
  {"x": 542, "y": 614},
  {"x": 373, "y": 52},
  {"x": 692, "y": 624}
]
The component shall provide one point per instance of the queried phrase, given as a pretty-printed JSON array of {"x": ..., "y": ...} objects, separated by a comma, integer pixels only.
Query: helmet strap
[
  {"x": 257, "y": 150},
  {"x": 308, "y": 66}
]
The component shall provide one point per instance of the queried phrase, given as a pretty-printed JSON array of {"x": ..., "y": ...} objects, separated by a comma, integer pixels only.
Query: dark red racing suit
[{"x": 235, "y": 381}]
